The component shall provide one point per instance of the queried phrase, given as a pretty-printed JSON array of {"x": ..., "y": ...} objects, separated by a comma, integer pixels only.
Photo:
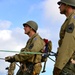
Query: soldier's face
[
  {"x": 27, "y": 29},
  {"x": 62, "y": 8}
]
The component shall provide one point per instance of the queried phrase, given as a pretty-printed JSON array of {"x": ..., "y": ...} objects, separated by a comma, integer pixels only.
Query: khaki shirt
[
  {"x": 66, "y": 42},
  {"x": 34, "y": 44}
]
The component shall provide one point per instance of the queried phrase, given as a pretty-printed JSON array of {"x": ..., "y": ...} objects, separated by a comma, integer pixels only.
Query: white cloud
[
  {"x": 51, "y": 10},
  {"x": 5, "y": 34},
  {"x": 12, "y": 39},
  {"x": 5, "y": 24}
]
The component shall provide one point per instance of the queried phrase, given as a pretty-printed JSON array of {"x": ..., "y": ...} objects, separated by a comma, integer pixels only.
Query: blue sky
[{"x": 13, "y": 13}]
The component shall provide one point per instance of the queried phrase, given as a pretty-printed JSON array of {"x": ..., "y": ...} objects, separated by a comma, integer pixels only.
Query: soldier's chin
[
  {"x": 25, "y": 33},
  {"x": 62, "y": 12}
]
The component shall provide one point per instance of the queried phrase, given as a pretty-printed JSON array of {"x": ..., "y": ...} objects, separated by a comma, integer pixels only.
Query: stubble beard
[{"x": 63, "y": 12}]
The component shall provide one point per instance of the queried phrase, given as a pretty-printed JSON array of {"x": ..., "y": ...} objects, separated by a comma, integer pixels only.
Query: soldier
[
  {"x": 65, "y": 60},
  {"x": 30, "y": 63}
]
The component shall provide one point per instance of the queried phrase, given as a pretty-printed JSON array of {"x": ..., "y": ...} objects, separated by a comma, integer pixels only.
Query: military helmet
[
  {"x": 68, "y": 2},
  {"x": 32, "y": 24}
]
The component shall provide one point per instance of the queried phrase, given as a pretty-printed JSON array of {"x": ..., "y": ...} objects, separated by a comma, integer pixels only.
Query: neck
[{"x": 31, "y": 34}]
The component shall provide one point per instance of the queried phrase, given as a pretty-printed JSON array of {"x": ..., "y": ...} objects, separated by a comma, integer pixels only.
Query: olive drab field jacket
[
  {"x": 67, "y": 42},
  {"x": 34, "y": 44}
]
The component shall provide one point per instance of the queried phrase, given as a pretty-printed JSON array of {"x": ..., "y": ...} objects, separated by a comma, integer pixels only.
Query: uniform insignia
[
  {"x": 74, "y": 17},
  {"x": 35, "y": 39},
  {"x": 70, "y": 28},
  {"x": 31, "y": 46}
]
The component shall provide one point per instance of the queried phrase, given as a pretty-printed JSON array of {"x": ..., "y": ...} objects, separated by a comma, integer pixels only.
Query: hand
[
  {"x": 73, "y": 61},
  {"x": 10, "y": 59},
  {"x": 56, "y": 71}
]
